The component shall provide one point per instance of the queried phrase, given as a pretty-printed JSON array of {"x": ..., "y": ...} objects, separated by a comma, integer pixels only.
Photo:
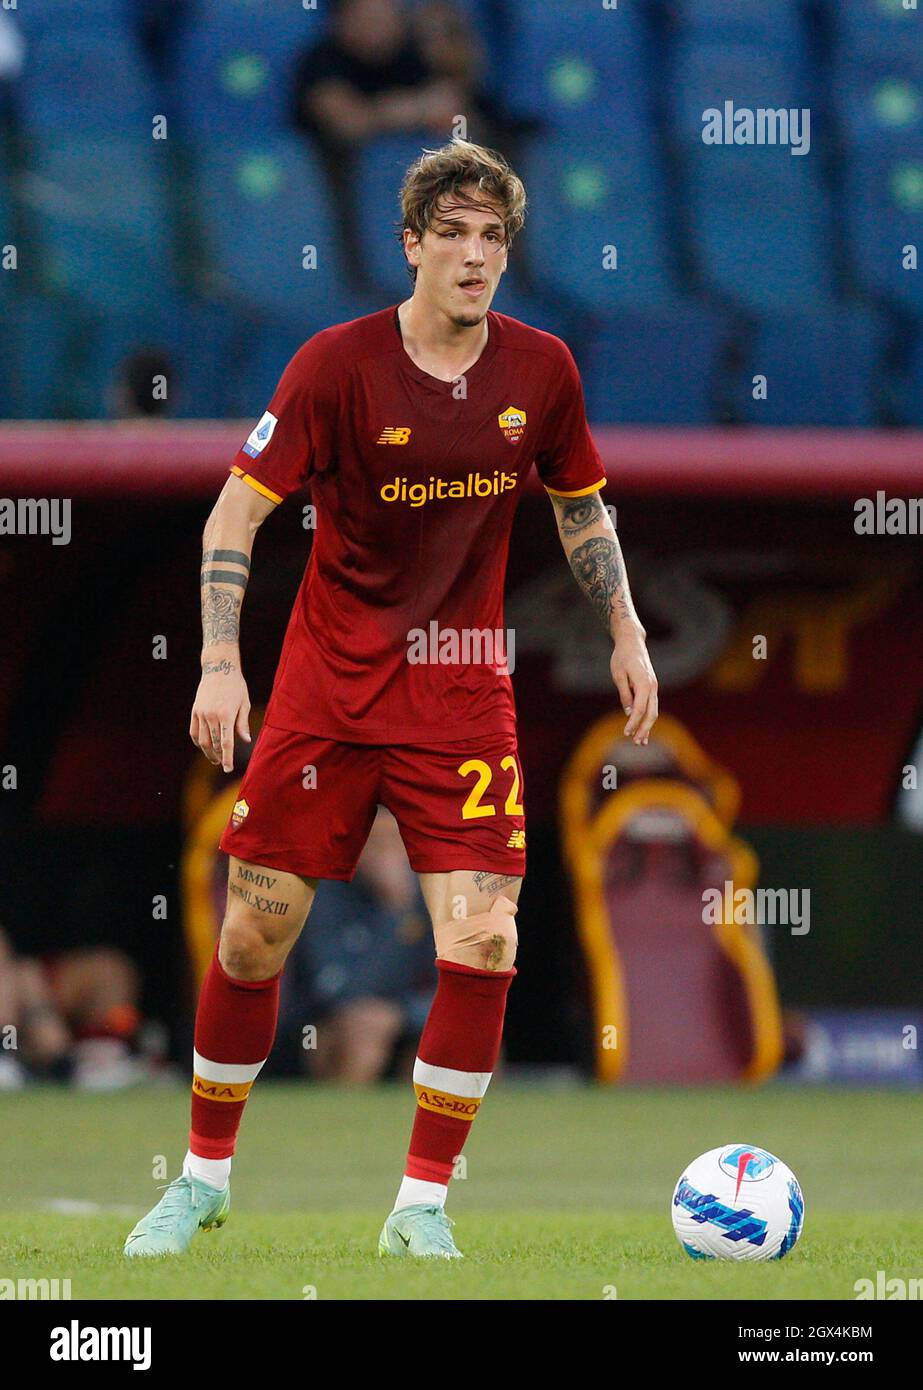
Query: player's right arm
[{"x": 222, "y": 704}]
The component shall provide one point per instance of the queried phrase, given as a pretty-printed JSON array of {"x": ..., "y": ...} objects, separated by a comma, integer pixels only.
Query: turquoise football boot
[
  {"x": 420, "y": 1230},
  {"x": 186, "y": 1207}
]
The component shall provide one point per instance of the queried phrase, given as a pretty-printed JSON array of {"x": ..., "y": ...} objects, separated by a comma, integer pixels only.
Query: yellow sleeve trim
[
  {"x": 594, "y": 487},
  {"x": 249, "y": 479}
]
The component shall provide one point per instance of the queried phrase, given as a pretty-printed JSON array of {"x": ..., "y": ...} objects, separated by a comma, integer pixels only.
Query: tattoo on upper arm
[
  {"x": 597, "y": 568},
  {"x": 578, "y": 513},
  {"x": 227, "y": 557},
  {"x": 220, "y": 616}
]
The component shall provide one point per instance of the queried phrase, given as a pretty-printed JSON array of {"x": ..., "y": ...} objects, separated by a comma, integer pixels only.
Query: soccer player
[{"x": 416, "y": 428}]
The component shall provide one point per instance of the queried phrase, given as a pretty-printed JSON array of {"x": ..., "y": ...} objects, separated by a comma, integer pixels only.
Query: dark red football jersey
[{"x": 415, "y": 482}]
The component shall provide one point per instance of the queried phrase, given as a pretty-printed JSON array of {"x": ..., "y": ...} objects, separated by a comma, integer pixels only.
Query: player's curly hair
[{"x": 448, "y": 170}]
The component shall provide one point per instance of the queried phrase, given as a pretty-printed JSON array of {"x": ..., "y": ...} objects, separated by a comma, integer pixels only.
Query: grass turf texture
[{"x": 566, "y": 1196}]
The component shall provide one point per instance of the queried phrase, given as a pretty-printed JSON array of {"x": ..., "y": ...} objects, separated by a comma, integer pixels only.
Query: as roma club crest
[
  {"x": 240, "y": 813},
  {"x": 513, "y": 423}
]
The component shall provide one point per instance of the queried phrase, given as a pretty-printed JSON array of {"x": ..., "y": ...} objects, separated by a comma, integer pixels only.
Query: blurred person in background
[
  {"x": 383, "y": 71},
  {"x": 143, "y": 386},
  {"x": 75, "y": 1018},
  {"x": 363, "y": 970}
]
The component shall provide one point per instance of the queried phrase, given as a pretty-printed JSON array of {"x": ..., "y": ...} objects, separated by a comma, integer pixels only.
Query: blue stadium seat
[
  {"x": 654, "y": 368},
  {"x": 706, "y": 72},
  {"x": 760, "y": 226},
  {"x": 820, "y": 369},
  {"x": 40, "y": 334},
  {"x": 576, "y": 65},
  {"x": 262, "y": 204},
  {"x": 777, "y": 25},
  {"x": 875, "y": 104},
  {"x": 99, "y": 208},
  {"x": 913, "y": 382},
  {"x": 83, "y": 77},
  {"x": 195, "y": 336},
  {"x": 881, "y": 213},
  {"x": 261, "y": 351},
  {"x": 882, "y": 31},
  {"x": 586, "y": 197},
  {"x": 380, "y": 169},
  {"x": 235, "y": 66}
]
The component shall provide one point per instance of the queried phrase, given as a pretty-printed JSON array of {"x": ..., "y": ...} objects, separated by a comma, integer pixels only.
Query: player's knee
[
  {"x": 252, "y": 946},
  {"x": 486, "y": 941}
]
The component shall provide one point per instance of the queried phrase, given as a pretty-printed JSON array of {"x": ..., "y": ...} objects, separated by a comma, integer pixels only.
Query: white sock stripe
[
  {"x": 471, "y": 1084},
  {"x": 232, "y": 1072}
]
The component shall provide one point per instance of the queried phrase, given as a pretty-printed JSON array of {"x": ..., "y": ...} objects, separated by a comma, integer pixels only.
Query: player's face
[{"x": 460, "y": 259}]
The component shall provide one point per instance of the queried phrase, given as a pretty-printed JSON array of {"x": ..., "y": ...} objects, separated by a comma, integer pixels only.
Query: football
[{"x": 738, "y": 1202}]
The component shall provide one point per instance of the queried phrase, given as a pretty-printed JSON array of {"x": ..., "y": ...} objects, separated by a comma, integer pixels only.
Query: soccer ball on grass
[{"x": 738, "y": 1202}]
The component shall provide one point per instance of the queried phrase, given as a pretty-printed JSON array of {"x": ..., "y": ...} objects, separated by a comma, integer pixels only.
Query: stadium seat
[
  {"x": 379, "y": 171},
  {"x": 760, "y": 226},
  {"x": 880, "y": 31},
  {"x": 820, "y": 369},
  {"x": 772, "y": 26},
  {"x": 40, "y": 336},
  {"x": 707, "y": 71},
  {"x": 195, "y": 337},
  {"x": 654, "y": 368},
  {"x": 587, "y": 197},
  {"x": 99, "y": 209},
  {"x": 84, "y": 76},
  {"x": 881, "y": 213},
  {"x": 912, "y": 383},
  {"x": 875, "y": 104},
  {"x": 259, "y": 353},
  {"x": 591, "y": 76},
  {"x": 235, "y": 66},
  {"x": 262, "y": 204}
]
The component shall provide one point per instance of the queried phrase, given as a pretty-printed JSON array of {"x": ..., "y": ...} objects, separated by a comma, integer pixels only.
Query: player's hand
[
  {"x": 221, "y": 709},
  {"x": 635, "y": 681}
]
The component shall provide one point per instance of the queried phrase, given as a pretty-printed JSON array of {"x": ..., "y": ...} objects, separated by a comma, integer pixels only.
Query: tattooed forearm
[
  {"x": 224, "y": 577},
  {"x": 227, "y": 557},
  {"x": 218, "y": 668},
  {"x": 597, "y": 568},
  {"x": 220, "y": 617},
  {"x": 580, "y": 512}
]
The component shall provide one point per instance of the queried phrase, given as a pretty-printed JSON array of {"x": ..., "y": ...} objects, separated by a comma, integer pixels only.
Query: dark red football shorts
[{"x": 307, "y": 804}]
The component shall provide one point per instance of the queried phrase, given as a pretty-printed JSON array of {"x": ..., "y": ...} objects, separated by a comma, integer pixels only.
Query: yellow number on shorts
[
  {"x": 471, "y": 809},
  {"x": 512, "y": 807}
]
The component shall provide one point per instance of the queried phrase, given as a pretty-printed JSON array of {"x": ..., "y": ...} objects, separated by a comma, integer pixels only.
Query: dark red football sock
[
  {"x": 234, "y": 1030},
  {"x": 457, "y": 1054}
]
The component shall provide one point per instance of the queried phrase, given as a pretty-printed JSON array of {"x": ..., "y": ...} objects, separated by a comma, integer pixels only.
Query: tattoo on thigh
[
  {"x": 274, "y": 907},
  {"x": 493, "y": 883}
]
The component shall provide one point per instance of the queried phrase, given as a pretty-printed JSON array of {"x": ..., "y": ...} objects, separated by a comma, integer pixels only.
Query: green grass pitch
[{"x": 566, "y": 1194}]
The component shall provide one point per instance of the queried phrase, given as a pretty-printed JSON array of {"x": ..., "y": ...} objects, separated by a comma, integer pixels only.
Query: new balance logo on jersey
[
  {"x": 394, "y": 434},
  {"x": 517, "y": 840}
]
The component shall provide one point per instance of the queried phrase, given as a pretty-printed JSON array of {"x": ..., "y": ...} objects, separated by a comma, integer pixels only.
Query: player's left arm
[{"x": 595, "y": 557}]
